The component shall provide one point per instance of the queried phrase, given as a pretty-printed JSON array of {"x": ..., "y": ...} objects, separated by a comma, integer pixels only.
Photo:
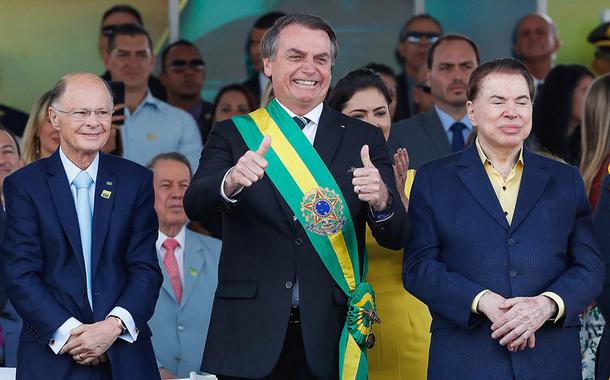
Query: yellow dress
[{"x": 403, "y": 337}]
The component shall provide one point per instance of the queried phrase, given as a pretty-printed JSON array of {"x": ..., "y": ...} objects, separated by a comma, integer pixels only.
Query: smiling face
[
  {"x": 9, "y": 156},
  {"x": 81, "y": 140},
  {"x": 131, "y": 61},
  {"x": 171, "y": 178},
  {"x": 301, "y": 68},
  {"x": 370, "y": 105},
  {"x": 502, "y": 111}
]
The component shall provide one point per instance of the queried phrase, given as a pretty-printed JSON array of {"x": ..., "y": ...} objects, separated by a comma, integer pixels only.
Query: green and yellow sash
[{"x": 300, "y": 175}]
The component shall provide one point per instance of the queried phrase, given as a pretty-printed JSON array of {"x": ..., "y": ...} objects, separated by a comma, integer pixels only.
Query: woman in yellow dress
[{"x": 403, "y": 337}]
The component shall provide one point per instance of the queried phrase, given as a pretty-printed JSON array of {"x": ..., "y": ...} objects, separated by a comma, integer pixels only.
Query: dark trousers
[{"x": 292, "y": 364}]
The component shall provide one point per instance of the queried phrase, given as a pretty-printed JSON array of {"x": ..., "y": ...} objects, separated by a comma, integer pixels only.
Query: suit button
[
  {"x": 180, "y": 328},
  {"x": 298, "y": 241},
  {"x": 511, "y": 242},
  {"x": 512, "y": 273},
  {"x": 52, "y": 342},
  {"x": 288, "y": 284}
]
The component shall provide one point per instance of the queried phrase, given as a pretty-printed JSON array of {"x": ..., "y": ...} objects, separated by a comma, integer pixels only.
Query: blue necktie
[
  {"x": 301, "y": 121},
  {"x": 85, "y": 218},
  {"x": 457, "y": 140}
]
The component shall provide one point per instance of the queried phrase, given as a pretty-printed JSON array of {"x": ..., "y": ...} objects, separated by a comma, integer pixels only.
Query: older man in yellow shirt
[{"x": 502, "y": 250}]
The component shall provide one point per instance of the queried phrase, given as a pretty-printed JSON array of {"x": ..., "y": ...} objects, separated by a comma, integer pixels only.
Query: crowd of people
[{"x": 148, "y": 233}]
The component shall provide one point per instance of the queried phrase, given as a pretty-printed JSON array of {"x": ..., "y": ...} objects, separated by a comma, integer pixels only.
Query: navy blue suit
[
  {"x": 601, "y": 223},
  {"x": 44, "y": 268},
  {"x": 462, "y": 244}
]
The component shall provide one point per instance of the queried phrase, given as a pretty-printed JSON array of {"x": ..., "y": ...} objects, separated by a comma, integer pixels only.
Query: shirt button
[
  {"x": 180, "y": 328},
  {"x": 288, "y": 284},
  {"x": 511, "y": 242},
  {"x": 52, "y": 342},
  {"x": 298, "y": 241},
  {"x": 512, "y": 273},
  {"x": 177, "y": 359}
]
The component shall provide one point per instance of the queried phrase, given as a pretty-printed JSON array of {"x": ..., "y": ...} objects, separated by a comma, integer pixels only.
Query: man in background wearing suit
[
  {"x": 257, "y": 81},
  {"x": 189, "y": 262},
  {"x": 78, "y": 252},
  {"x": 502, "y": 251},
  {"x": 445, "y": 128},
  {"x": 278, "y": 313}
]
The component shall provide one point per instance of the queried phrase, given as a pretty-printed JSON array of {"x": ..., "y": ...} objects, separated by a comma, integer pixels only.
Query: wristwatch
[{"x": 120, "y": 323}]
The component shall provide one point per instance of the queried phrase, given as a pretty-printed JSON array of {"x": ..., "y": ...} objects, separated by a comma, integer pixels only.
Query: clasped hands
[
  {"x": 250, "y": 168},
  {"x": 89, "y": 342},
  {"x": 515, "y": 320}
]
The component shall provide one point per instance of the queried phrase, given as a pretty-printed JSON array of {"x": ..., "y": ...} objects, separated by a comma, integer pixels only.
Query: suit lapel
[
  {"x": 105, "y": 186},
  {"x": 193, "y": 261},
  {"x": 475, "y": 179},
  {"x": 433, "y": 128},
  {"x": 64, "y": 204},
  {"x": 167, "y": 285},
  {"x": 533, "y": 183},
  {"x": 329, "y": 135}
]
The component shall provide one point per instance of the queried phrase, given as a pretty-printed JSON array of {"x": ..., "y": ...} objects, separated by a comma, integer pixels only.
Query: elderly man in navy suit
[
  {"x": 189, "y": 262},
  {"x": 502, "y": 250},
  {"x": 79, "y": 249}
]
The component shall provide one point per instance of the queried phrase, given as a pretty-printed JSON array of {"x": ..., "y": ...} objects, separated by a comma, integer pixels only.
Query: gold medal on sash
[{"x": 323, "y": 211}]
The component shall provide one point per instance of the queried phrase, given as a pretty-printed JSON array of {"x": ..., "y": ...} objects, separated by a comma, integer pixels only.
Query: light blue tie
[{"x": 85, "y": 218}]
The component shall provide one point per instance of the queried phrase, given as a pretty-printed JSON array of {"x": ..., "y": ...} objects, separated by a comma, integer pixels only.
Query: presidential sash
[{"x": 306, "y": 184}]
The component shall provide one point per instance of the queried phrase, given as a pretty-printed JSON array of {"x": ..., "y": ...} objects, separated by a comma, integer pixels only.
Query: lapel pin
[
  {"x": 109, "y": 183},
  {"x": 106, "y": 194},
  {"x": 194, "y": 272},
  {"x": 342, "y": 126}
]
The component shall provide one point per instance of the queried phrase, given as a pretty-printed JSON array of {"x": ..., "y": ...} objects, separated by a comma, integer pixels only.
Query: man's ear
[
  {"x": 53, "y": 118},
  {"x": 267, "y": 66},
  {"x": 470, "y": 113}
]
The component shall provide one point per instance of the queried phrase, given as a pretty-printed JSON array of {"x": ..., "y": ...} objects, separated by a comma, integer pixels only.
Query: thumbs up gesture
[
  {"x": 368, "y": 183},
  {"x": 249, "y": 168}
]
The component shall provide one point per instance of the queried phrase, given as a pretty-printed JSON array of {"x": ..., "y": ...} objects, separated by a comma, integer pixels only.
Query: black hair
[
  {"x": 452, "y": 37},
  {"x": 132, "y": 30},
  {"x": 124, "y": 8},
  {"x": 553, "y": 107},
  {"x": 267, "y": 20},
  {"x": 252, "y": 103},
  {"x": 380, "y": 68},
  {"x": 181, "y": 42},
  {"x": 353, "y": 82},
  {"x": 424, "y": 16}
]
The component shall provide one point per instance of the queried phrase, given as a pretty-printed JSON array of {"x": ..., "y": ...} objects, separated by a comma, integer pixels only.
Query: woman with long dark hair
[
  {"x": 558, "y": 112},
  {"x": 403, "y": 341}
]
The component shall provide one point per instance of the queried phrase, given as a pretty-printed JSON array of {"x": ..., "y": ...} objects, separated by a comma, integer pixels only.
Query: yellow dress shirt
[{"x": 507, "y": 190}]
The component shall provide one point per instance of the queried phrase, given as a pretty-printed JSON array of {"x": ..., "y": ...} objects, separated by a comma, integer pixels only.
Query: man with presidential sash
[{"x": 296, "y": 183}]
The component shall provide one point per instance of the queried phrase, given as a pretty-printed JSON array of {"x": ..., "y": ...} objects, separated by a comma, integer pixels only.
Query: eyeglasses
[
  {"x": 182, "y": 64},
  {"x": 84, "y": 114},
  {"x": 424, "y": 87},
  {"x": 417, "y": 37}
]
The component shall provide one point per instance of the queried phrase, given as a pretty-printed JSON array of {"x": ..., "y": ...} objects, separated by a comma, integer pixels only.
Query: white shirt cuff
[
  {"x": 62, "y": 334},
  {"x": 131, "y": 334},
  {"x": 222, "y": 188}
]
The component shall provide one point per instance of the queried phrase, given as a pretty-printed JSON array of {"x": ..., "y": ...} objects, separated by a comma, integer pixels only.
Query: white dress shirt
[{"x": 62, "y": 334}]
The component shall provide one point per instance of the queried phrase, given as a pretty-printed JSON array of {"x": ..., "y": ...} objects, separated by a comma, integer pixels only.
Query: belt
[{"x": 295, "y": 316}]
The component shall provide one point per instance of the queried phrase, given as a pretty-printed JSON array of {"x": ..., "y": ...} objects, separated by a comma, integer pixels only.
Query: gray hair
[
  {"x": 269, "y": 41},
  {"x": 170, "y": 156}
]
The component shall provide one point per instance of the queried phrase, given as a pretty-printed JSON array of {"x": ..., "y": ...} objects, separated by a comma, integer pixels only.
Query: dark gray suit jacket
[{"x": 423, "y": 136}]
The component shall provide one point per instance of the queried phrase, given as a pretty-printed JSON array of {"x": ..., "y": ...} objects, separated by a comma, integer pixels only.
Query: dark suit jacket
[
  {"x": 423, "y": 136},
  {"x": 44, "y": 269},
  {"x": 402, "y": 98},
  {"x": 601, "y": 223},
  {"x": 462, "y": 244},
  {"x": 264, "y": 251},
  {"x": 12, "y": 119}
]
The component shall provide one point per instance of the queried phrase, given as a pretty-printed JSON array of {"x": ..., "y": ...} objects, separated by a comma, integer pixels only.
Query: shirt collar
[
  {"x": 447, "y": 121},
  {"x": 72, "y": 170},
  {"x": 484, "y": 158},
  {"x": 313, "y": 115},
  {"x": 149, "y": 99},
  {"x": 180, "y": 238}
]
